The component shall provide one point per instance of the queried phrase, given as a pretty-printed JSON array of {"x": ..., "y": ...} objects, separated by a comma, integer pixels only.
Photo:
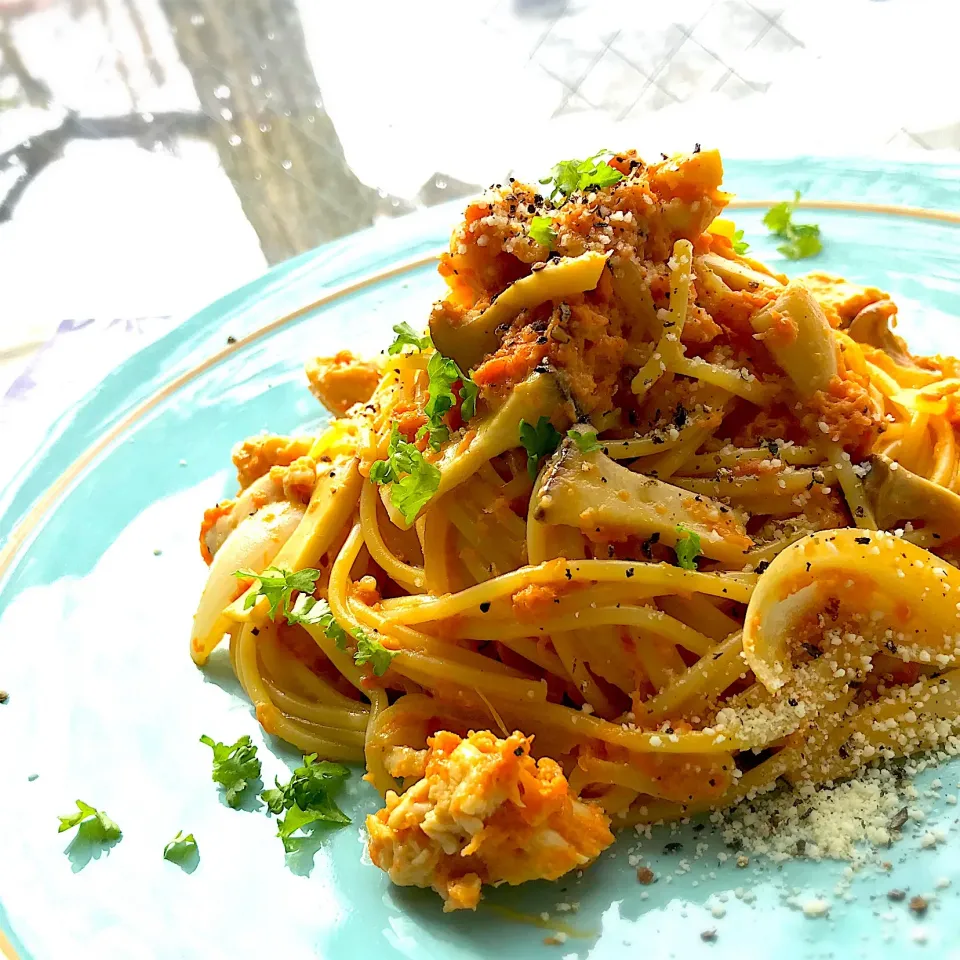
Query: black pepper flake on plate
[
  {"x": 673, "y": 847},
  {"x": 708, "y": 936},
  {"x": 231, "y": 339},
  {"x": 896, "y": 895},
  {"x": 899, "y": 819}
]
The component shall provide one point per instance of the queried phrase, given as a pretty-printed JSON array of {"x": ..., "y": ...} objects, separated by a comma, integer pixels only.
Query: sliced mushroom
[
  {"x": 872, "y": 326},
  {"x": 795, "y": 330},
  {"x": 595, "y": 494},
  {"x": 898, "y": 495},
  {"x": 737, "y": 275},
  {"x": 538, "y": 396},
  {"x": 631, "y": 286},
  {"x": 252, "y": 544},
  {"x": 870, "y": 580},
  {"x": 468, "y": 343},
  {"x": 283, "y": 533}
]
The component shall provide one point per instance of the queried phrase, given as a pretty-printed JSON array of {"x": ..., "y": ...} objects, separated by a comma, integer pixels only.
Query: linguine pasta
[{"x": 640, "y": 505}]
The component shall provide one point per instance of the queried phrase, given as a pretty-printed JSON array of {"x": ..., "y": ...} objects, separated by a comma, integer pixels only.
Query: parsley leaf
[
  {"x": 542, "y": 232},
  {"x": 414, "y": 481},
  {"x": 539, "y": 442},
  {"x": 802, "y": 239},
  {"x": 181, "y": 848},
  {"x": 372, "y": 651},
  {"x": 100, "y": 823},
  {"x": 468, "y": 398},
  {"x": 306, "y": 798},
  {"x": 443, "y": 373},
  {"x": 569, "y": 176},
  {"x": 739, "y": 244},
  {"x": 687, "y": 548},
  {"x": 408, "y": 337},
  {"x": 585, "y": 439},
  {"x": 233, "y": 766},
  {"x": 277, "y": 586},
  {"x": 309, "y": 611}
]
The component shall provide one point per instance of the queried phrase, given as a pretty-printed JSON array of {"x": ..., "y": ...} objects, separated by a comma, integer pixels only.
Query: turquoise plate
[{"x": 100, "y": 574}]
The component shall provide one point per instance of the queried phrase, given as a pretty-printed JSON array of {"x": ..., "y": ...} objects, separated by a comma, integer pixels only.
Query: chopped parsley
[
  {"x": 100, "y": 826},
  {"x": 739, "y": 244},
  {"x": 310, "y": 612},
  {"x": 181, "y": 848},
  {"x": 802, "y": 239},
  {"x": 408, "y": 337},
  {"x": 687, "y": 548},
  {"x": 539, "y": 441},
  {"x": 233, "y": 766},
  {"x": 372, "y": 651},
  {"x": 541, "y": 231},
  {"x": 468, "y": 398},
  {"x": 570, "y": 176},
  {"x": 585, "y": 439},
  {"x": 443, "y": 373},
  {"x": 306, "y": 799},
  {"x": 414, "y": 481},
  {"x": 277, "y": 586}
]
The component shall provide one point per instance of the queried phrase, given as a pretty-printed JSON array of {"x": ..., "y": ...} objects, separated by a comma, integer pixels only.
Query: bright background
[{"x": 155, "y": 154}]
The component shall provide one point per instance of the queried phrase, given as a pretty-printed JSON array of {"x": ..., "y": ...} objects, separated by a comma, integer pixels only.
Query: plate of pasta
[{"x": 607, "y": 601}]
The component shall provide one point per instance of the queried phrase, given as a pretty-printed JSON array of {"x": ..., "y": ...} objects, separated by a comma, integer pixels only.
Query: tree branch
[
  {"x": 33, "y": 156},
  {"x": 34, "y": 89}
]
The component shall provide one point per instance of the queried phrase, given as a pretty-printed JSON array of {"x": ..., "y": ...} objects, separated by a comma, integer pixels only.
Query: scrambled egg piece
[
  {"x": 484, "y": 812},
  {"x": 341, "y": 381},
  {"x": 257, "y": 456}
]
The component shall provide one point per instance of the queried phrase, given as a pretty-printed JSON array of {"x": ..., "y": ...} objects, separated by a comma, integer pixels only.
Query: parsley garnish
[
  {"x": 101, "y": 827},
  {"x": 585, "y": 439},
  {"x": 739, "y": 244},
  {"x": 468, "y": 398},
  {"x": 306, "y": 798},
  {"x": 687, "y": 548},
  {"x": 443, "y": 373},
  {"x": 408, "y": 337},
  {"x": 277, "y": 586},
  {"x": 569, "y": 176},
  {"x": 539, "y": 442},
  {"x": 541, "y": 231},
  {"x": 414, "y": 481},
  {"x": 181, "y": 848},
  {"x": 233, "y": 766},
  {"x": 802, "y": 239},
  {"x": 372, "y": 651},
  {"x": 308, "y": 611}
]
